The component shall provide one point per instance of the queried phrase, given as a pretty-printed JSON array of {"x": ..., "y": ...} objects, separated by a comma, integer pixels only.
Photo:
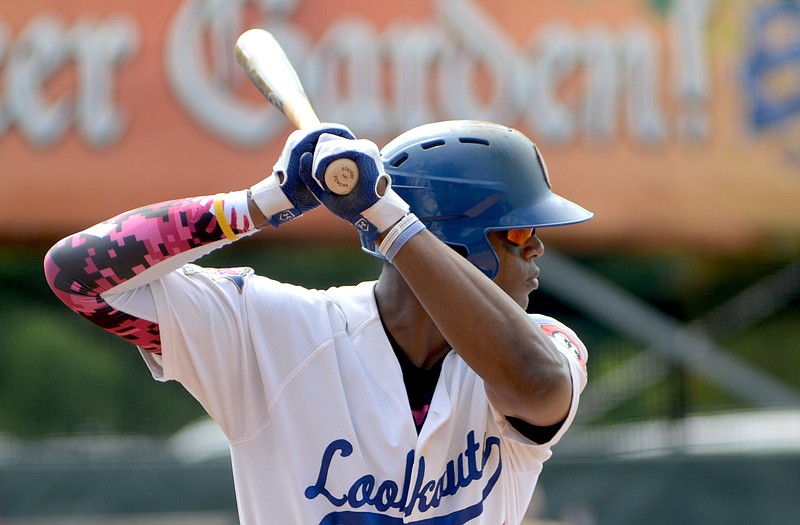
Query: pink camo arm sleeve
[{"x": 83, "y": 266}]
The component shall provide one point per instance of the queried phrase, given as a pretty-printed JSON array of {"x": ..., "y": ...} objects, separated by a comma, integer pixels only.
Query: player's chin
[
  {"x": 522, "y": 299},
  {"x": 518, "y": 292},
  {"x": 524, "y": 296}
]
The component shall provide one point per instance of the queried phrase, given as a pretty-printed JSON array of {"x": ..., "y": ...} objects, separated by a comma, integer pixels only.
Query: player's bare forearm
[
  {"x": 524, "y": 375},
  {"x": 84, "y": 266}
]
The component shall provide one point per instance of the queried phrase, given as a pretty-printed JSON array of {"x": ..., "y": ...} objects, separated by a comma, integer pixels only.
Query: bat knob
[{"x": 341, "y": 176}]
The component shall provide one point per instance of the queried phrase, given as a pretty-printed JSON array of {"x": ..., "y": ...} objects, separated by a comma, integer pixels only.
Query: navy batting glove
[
  {"x": 372, "y": 206},
  {"x": 283, "y": 195}
]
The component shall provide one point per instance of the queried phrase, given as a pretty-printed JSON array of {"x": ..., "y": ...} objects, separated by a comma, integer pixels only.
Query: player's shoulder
[
  {"x": 563, "y": 336},
  {"x": 355, "y": 302},
  {"x": 223, "y": 276}
]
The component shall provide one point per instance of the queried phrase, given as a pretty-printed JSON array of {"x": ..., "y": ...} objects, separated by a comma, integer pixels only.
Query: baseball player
[{"x": 427, "y": 396}]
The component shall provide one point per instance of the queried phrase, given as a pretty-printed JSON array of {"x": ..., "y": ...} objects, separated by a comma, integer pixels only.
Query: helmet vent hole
[
  {"x": 432, "y": 144},
  {"x": 472, "y": 140},
  {"x": 398, "y": 160}
]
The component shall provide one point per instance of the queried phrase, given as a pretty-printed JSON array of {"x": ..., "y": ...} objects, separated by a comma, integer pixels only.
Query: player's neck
[{"x": 407, "y": 321}]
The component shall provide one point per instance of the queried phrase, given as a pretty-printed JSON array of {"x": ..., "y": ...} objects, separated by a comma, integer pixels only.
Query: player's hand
[
  {"x": 283, "y": 195},
  {"x": 372, "y": 206}
]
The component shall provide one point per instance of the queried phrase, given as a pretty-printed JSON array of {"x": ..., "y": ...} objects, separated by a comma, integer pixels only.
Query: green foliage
[
  {"x": 58, "y": 374},
  {"x": 687, "y": 287},
  {"x": 774, "y": 344}
]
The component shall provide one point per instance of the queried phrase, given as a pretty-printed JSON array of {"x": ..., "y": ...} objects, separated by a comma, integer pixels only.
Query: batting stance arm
[
  {"x": 142, "y": 245},
  {"x": 525, "y": 376}
]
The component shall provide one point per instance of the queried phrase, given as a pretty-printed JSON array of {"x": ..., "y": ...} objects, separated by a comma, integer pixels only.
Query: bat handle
[
  {"x": 267, "y": 66},
  {"x": 341, "y": 175},
  {"x": 301, "y": 115}
]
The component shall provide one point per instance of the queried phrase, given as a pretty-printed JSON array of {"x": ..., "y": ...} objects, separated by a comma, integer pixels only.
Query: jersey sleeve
[
  {"x": 569, "y": 344},
  {"x": 234, "y": 339}
]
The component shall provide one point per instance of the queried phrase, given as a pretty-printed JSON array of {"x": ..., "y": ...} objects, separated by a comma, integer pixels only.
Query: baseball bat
[{"x": 268, "y": 67}]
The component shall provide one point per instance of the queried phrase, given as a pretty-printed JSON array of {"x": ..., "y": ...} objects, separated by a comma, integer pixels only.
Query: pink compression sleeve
[{"x": 83, "y": 266}]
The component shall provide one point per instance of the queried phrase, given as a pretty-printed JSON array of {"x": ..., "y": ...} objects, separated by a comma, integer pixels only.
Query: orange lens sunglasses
[{"x": 519, "y": 236}]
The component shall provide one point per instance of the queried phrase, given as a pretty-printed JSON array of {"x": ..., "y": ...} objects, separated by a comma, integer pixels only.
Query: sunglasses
[{"x": 519, "y": 236}]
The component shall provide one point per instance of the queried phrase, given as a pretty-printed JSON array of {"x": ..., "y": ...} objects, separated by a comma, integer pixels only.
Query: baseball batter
[{"x": 427, "y": 396}]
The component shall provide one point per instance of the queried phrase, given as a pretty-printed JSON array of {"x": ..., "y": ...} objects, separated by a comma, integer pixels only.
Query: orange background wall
[{"x": 734, "y": 185}]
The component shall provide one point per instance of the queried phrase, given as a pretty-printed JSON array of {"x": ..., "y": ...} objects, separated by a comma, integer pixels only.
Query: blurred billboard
[{"x": 676, "y": 121}]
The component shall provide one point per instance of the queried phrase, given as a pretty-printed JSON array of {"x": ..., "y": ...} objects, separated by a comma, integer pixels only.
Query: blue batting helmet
[{"x": 466, "y": 178}]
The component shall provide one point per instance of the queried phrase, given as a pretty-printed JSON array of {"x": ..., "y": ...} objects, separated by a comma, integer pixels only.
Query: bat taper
[{"x": 267, "y": 66}]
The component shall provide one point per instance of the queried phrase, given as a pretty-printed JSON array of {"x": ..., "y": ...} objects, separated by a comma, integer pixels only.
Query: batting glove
[
  {"x": 284, "y": 196},
  {"x": 372, "y": 206}
]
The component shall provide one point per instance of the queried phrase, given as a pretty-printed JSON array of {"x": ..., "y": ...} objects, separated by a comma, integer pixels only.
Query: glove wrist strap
[
  {"x": 384, "y": 213},
  {"x": 272, "y": 202}
]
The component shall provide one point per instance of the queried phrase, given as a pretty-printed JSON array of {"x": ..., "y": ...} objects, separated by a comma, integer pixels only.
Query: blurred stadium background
[{"x": 676, "y": 121}]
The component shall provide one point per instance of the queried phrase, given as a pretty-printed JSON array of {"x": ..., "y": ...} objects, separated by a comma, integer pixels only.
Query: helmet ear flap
[
  {"x": 459, "y": 249},
  {"x": 485, "y": 260}
]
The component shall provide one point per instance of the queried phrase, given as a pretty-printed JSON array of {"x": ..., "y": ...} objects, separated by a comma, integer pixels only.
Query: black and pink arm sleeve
[{"x": 144, "y": 244}]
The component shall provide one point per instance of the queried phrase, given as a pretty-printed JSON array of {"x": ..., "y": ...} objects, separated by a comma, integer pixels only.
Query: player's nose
[{"x": 533, "y": 248}]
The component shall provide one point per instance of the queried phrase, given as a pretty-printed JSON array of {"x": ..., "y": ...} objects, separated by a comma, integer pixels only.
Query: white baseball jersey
[{"x": 307, "y": 389}]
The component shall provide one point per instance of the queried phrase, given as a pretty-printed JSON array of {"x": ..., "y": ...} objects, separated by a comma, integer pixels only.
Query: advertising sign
[{"x": 676, "y": 121}]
